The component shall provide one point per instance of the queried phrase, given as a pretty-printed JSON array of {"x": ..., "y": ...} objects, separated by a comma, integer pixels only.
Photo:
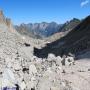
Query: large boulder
[
  {"x": 8, "y": 79},
  {"x": 68, "y": 61},
  {"x": 32, "y": 69},
  {"x": 22, "y": 85},
  {"x": 58, "y": 61},
  {"x": 51, "y": 57}
]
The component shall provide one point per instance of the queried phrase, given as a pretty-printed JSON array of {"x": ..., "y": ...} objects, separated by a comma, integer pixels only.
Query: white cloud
[{"x": 84, "y": 3}]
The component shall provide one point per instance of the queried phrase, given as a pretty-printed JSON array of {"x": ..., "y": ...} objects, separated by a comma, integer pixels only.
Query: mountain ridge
[
  {"x": 45, "y": 29},
  {"x": 74, "y": 42}
]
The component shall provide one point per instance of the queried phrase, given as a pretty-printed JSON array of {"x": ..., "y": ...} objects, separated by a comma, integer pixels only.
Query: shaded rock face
[
  {"x": 76, "y": 41},
  {"x": 69, "y": 25}
]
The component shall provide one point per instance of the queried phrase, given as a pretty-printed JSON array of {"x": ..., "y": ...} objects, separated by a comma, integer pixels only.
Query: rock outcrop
[
  {"x": 6, "y": 23},
  {"x": 2, "y": 18},
  {"x": 10, "y": 25}
]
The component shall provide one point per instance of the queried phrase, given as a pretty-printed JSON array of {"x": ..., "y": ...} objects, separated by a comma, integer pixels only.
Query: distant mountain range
[
  {"x": 75, "y": 41},
  {"x": 64, "y": 29},
  {"x": 38, "y": 30},
  {"x": 44, "y": 29}
]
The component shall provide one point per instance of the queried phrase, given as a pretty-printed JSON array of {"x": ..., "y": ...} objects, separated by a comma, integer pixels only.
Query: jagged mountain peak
[
  {"x": 1, "y": 13},
  {"x": 2, "y": 18},
  {"x": 38, "y": 30},
  {"x": 5, "y": 23}
]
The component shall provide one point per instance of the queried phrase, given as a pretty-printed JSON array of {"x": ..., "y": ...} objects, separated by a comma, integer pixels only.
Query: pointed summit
[
  {"x": 2, "y": 18},
  {"x": 6, "y": 23},
  {"x": 10, "y": 25}
]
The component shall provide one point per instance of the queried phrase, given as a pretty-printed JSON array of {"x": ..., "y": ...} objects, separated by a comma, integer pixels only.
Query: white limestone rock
[
  {"x": 22, "y": 85},
  {"x": 54, "y": 88},
  {"x": 8, "y": 78},
  {"x": 58, "y": 61},
  {"x": 69, "y": 61},
  {"x": 32, "y": 69},
  {"x": 16, "y": 65},
  {"x": 51, "y": 57}
]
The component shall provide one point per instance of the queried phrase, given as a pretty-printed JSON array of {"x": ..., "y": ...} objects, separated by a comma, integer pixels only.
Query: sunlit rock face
[
  {"x": 10, "y": 25},
  {"x": 5, "y": 23},
  {"x": 2, "y": 18}
]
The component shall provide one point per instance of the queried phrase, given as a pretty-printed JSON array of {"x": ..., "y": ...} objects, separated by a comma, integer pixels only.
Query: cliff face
[
  {"x": 5, "y": 23},
  {"x": 10, "y": 25}
]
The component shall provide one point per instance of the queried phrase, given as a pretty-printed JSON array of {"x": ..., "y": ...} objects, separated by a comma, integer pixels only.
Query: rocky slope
[
  {"x": 21, "y": 70},
  {"x": 18, "y": 67}
]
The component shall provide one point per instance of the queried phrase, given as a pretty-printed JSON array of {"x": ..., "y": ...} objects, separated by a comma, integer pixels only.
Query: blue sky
[{"x": 44, "y": 10}]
